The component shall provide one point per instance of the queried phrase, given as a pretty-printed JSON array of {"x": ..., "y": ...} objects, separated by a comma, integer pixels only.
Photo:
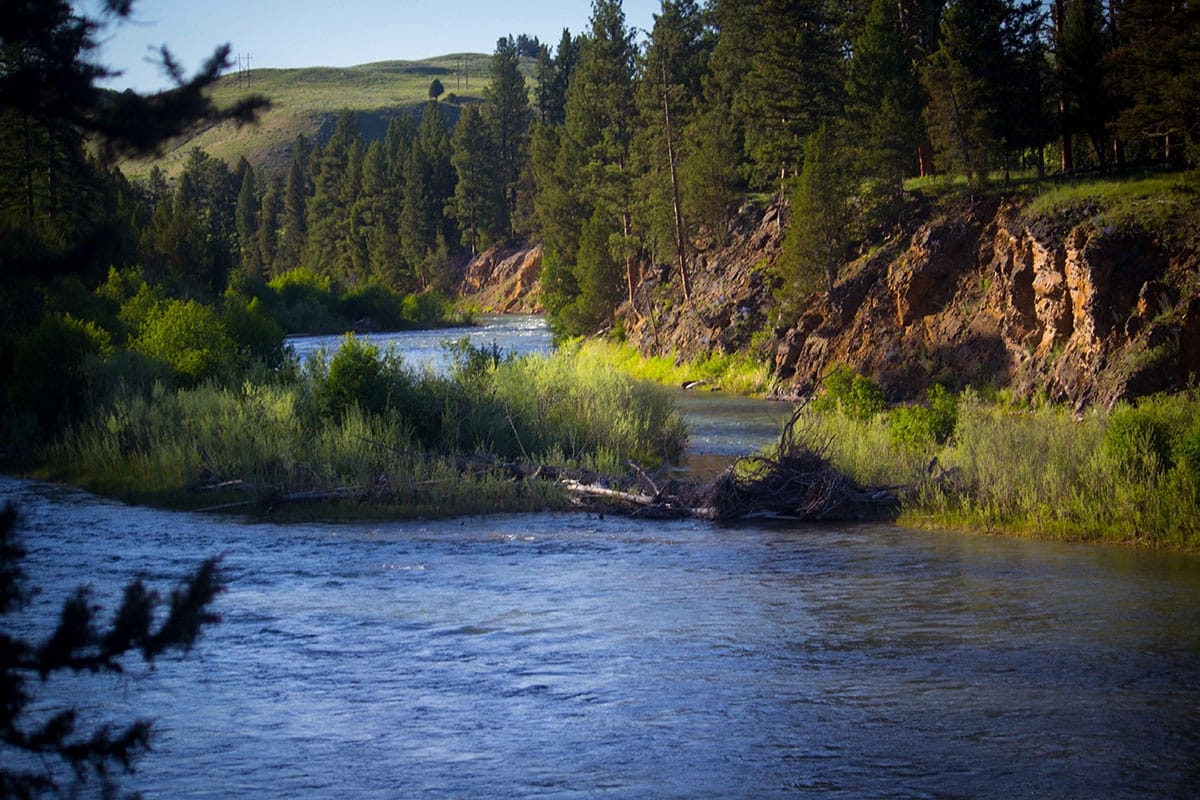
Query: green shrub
[
  {"x": 303, "y": 302},
  {"x": 48, "y": 377},
  {"x": 920, "y": 428},
  {"x": 258, "y": 337},
  {"x": 425, "y": 308},
  {"x": 1137, "y": 443},
  {"x": 190, "y": 338},
  {"x": 358, "y": 374},
  {"x": 836, "y": 385},
  {"x": 858, "y": 397},
  {"x": 381, "y": 306},
  {"x": 1187, "y": 451},
  {"x": 865, "y": 399}
]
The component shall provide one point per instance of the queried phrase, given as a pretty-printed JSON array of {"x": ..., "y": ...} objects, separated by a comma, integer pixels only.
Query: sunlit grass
[
  {"x": 1045, "y": 472},
  {"x": 415, "y": 444},
  {"x": 1147, "y": 199},
  {"x": 303, "y": 100},
  {"x": 737, "y": 373}
]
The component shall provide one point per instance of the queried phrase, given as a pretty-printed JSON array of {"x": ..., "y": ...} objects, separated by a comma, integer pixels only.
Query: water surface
[
  {"x": 572, "y": 656},
  {"x": 579, "y": 657}
]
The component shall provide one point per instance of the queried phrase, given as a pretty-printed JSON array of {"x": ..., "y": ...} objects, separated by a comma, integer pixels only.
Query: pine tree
[
  {"x": 884, "y": 100},
  {"x": 247, "y": 224},
  {"x": 506, "y": 110},
  {"x": 478, "y": 202},
  {"x": 599, "y": 129},
  {"x": 984, "y": 85},
  {"x": 819, "y": 219},
  {"x": 1156, "y": 78},
  {"x": 418, "y": 226},
  {"x": 378, "y": 215},
  {"x": 328, "y": 217},
  {"x": 293, "y": 227},
  {"x": 553, "y": 76},
  {"x": 435, "y": 139},
  {"x": 793, "y": 83},
  {"x": 1080, "y": 45},
  {"x": 668, "y": 96},
  {"x": 267, "y": 235}
]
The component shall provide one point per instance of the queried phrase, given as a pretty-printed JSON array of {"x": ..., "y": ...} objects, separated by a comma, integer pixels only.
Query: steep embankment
[
  {"x": 1075, "y": 303},
  {"x": 987, "y": 294}
]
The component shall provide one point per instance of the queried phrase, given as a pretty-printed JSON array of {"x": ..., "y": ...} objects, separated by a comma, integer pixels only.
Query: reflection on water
[{"x": 572, "y": 656}]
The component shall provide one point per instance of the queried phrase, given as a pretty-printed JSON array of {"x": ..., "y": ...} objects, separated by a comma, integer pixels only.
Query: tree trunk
[{"x": 680, "y": 238}]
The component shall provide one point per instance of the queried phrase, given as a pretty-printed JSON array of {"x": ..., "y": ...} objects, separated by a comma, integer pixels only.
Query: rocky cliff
[{"x": 975, "y": 293}]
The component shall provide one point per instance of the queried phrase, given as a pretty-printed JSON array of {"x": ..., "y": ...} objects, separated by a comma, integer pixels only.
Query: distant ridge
[{"x": 307, "y": 100}]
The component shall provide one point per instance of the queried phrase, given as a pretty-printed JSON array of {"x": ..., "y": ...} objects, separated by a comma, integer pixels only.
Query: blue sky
[{"x": 309, "y": 33}]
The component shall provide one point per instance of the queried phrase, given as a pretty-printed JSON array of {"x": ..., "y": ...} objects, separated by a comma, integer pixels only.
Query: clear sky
[{"x": 333, "y": 33}]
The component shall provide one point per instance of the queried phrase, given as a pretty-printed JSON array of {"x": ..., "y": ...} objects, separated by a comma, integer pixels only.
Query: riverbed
[{"x": 577, "y": 656}]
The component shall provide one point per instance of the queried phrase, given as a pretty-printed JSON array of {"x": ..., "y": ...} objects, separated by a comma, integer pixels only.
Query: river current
[{"x": 550, "y": 655}]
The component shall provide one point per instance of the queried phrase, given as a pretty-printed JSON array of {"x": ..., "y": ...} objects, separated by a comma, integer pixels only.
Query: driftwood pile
[{"x": 795, "y": 482}]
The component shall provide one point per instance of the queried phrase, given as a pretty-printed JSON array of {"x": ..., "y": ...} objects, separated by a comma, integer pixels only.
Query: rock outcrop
[
  {"x": 504, "y": 279},
  {"x": 981, "y": 294},
  {"x": 978, "y": 293}
]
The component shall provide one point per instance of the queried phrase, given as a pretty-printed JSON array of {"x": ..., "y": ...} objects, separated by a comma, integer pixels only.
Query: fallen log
[{"x": 796, "y": 482}]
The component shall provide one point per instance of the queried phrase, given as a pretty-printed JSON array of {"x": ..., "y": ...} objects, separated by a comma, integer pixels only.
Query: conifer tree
[
  {"x": 1156, "y": 77},
  {"x": 884, "y": 100},
  {"x": 506, "y": 111},
  {"x": 247, "y": 224},
  {"x": 668, "y": 96},
  {"x": 293, "y": 227},
  {"x": 1080, "y": 48},
  {"x": 418, "y": 226},
  {"x": 793, "y": 82},
  {"x": 553, "y": 76},
  {"x": 819, "y": 220},
  {"x": 478, "y": 202},
  {"x": 328, "y": 216},
  {"x": 434, "y": 135},
  {"x": 267, "y": 235},
  {"x": 377, "y": 213},
  {"x": 984, "y": 84},
  {"x": 599, "y": 129}
]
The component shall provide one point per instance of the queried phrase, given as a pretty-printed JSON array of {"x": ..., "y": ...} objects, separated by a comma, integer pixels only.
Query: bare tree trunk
[{"x": 680, "y": 238}]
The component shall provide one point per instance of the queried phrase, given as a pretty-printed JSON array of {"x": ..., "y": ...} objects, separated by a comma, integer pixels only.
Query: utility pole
[{"x": 243, "y": 62}]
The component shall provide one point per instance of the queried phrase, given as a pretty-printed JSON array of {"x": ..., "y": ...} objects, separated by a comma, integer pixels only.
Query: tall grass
[
  {"x": 401, "y": 447},
  {"x": 1129, "y": 475},
  {"x": 737, "y": 372}
]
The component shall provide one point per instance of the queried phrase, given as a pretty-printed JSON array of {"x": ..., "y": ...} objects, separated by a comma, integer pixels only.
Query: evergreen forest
[{"x": 617, "y": 150}]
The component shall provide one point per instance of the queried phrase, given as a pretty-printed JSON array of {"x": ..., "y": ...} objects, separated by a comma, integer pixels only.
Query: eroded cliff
[{"x": 979, "y": 293}]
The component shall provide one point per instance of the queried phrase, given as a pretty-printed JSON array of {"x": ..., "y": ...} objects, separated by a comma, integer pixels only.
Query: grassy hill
[{"x": 307, "y": 101}]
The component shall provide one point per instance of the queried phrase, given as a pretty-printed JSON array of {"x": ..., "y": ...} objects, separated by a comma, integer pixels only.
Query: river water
[{"x": 573, "y": 656}]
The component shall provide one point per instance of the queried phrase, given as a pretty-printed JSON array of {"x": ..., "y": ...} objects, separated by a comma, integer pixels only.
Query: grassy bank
[
  {"x": 1130, "y": 475},
  {"x": 736, "y": 373},
  {"x": 365, "y": 429},
  {"x": 1127, "y": 475}
]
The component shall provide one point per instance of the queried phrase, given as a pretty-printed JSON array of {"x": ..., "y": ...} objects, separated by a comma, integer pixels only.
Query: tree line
[
  {"x": 639, "y": 149},
  {"x": 625, "y": 148}
]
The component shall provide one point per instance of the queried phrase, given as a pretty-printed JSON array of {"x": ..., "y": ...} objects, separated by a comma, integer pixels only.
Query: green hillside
[{"x": 307, "y": 101}]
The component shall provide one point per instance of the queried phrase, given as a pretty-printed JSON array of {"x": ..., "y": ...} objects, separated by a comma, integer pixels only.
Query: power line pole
[{"x": 243, "y": 63}]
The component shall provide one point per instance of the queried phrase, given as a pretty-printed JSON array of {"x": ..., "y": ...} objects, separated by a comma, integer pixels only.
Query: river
[{"x": 574, "y": 656}]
